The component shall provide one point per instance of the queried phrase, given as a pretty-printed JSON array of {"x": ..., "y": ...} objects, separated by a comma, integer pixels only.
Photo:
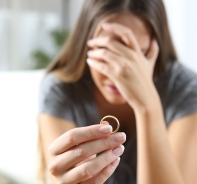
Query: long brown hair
[{"x": 70, "y": 63}]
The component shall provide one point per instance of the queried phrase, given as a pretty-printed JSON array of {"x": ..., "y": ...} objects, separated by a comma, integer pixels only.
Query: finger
[
  {"x": 112, "y": 71},
  {"x": 104, "y": 174},
  {"x": 113, "y": 66},
  {"x": 104, "y": 123},
  {"x": 153, "y": 51},
  {"x": 124, "y": 33},
  {"x": 86, "y": 160},
  {"x": 78, "y": 135},
  {"x": 111, "y": 44},
  {"x": 94, "y": 166},
  {"x": 105, "y": 55},
  {"x": 61, "y": 163},
  {"x": 101, "y": 67}
]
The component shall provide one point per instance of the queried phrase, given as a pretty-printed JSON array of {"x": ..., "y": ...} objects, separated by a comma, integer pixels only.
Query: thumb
[{"x": 153, "y": 51}]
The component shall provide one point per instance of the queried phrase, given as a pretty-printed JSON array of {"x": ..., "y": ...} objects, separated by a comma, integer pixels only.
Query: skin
[{"x": 122, "y": 55}]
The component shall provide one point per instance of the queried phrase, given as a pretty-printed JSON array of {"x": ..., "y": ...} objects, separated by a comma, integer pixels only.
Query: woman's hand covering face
[{"x": 124, "y": 63}]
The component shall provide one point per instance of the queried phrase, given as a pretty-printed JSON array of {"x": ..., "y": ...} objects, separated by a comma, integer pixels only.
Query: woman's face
[{"x": 143, "y": 36}]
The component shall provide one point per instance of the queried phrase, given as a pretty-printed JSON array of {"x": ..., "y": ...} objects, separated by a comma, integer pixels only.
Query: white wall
[
  {"x": 182, "y": 15},
  {"x": 74, "y": 10},
  {"x": 18, "y": 125}
]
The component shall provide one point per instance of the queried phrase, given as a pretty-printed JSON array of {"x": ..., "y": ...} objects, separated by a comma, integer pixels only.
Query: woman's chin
[{"x": 116, "y": 100}]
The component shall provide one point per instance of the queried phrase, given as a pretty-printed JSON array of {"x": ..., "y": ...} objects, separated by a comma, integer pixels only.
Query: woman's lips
[{"x": 112, "y": 89}]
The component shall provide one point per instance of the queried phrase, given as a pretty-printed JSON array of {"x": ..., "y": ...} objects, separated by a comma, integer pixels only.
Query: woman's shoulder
[
  {"x": 181, "y": 80},
  {"x": 63, "y": 99},
  {"x": 54, "y": 95},
  {"x": 178, "y": 91},
  {"x": 53, "y": 84},
  {"x": 178, "y": 70},
  {"x": 177, "y": 76},
  {"x": 49, "y": 81}
]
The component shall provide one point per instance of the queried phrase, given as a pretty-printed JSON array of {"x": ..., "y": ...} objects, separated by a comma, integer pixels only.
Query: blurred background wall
[
  {"x": 25, "y": 26},
  {"x": 182, "y": 16}
]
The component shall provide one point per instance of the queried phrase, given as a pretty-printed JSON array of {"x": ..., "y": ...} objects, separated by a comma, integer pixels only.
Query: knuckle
[
  {"x": 50, "y": 150},
  {"x": 91, "y": 133},
  {"x": 128, "y": 32},
  {"x": 85, "y": 173},
  {"x": 119, "y": 71},
  {"x": 52, "y": 168},
  {"x": 105, "y": 143},
  {"x": 80, "y": 152},
  {"x": 104, "y": 69},
  {"x": 109, "y": 170},
  {"x": 108, "y": 158},
  {"x": 135, "y": 57},
  {"x": 71, "y": 138},
  {"x": 109, "y": 40},
  {"x": 104, "y": 51}
]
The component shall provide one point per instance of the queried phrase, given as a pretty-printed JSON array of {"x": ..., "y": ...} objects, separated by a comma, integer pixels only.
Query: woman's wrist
[
  {"x": 151, "y": 108},
  {"x": 149, "y": 101}
]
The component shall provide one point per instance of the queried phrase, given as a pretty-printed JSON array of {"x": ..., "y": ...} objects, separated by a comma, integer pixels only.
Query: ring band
[{"x": 113, "y": 117}]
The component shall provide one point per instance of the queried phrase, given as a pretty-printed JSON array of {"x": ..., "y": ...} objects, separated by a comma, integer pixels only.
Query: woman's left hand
[{"x": 125, "y": 64}]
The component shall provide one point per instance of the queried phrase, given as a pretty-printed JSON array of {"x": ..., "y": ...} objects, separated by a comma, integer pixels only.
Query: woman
[{"x": 131, "y": 73}]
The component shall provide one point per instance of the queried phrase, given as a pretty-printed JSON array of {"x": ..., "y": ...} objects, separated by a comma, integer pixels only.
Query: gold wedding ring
[{"x": 113, "y": 117}]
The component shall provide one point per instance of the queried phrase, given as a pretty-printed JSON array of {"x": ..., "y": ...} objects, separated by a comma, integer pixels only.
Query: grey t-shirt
[{"x": 177, "y": 89}]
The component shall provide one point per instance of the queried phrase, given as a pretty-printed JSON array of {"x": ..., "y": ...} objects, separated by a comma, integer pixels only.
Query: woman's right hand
[{"x": 73, "y": 155}]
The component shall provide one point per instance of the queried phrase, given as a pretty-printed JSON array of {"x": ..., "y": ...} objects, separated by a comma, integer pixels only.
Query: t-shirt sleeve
[
  {"x": 54, "y": 100},
  {"x": 182, "y": 99}
]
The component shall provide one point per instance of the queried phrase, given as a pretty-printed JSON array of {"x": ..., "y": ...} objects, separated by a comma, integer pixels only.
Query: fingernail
[
  {"x": 118, "y": 151},
  {"x": 115, "y": 162},
  {"x": 89, "y": 61},
  {"x": 119, "y": 137},
  {"x": 106, "y": 129},
  {"x": 105, "y": 123},
  {"x": 106, "y": 25}
]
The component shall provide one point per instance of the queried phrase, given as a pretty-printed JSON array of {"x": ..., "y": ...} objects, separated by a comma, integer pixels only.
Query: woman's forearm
[{"x": 156, "y": 164}]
